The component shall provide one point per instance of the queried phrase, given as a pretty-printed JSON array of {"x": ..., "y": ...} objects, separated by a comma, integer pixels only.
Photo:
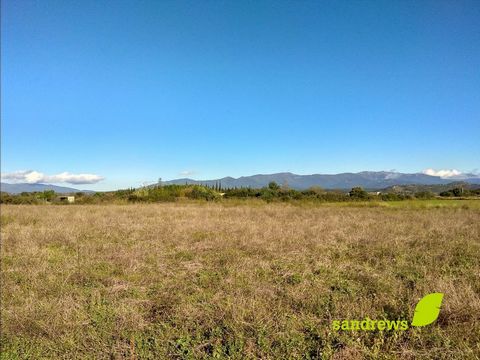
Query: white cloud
[
  {"x": 187, "y": 173},
  {"x": 447, "y": 173},
  {"x": 35, "y": 177},
  {"x": 393, "y": 175}
]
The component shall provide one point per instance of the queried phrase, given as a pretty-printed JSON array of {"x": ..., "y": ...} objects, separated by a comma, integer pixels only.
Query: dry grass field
[{"x": 252, "y": 280}]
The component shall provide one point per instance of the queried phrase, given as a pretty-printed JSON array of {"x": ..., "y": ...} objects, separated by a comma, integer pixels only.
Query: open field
[{"x": 238, "y": 280}]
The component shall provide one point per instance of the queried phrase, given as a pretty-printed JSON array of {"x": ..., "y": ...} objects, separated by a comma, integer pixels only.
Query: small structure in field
[{"x": 67, "y": 199}]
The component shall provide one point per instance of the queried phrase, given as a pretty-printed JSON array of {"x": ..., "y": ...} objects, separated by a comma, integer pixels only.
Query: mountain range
[
  {"x": 26, "y": 187},
  {"x": 371, "y": 180},
  {"x": 365, "y": 179}
]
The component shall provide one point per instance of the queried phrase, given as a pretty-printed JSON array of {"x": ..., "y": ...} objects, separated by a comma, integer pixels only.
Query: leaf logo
[{"x": 427, "y": 309}]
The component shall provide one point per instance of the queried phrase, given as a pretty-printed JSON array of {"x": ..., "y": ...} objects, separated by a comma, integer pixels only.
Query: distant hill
[
  {"x": 25, "y": 187},
  {"x": 437, "y": 189},
  {"x": 366, "y": 179}
]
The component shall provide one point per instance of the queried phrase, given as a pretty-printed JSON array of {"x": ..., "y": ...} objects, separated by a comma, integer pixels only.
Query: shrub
[
  {"x": 393, "y": 197},
  {"x": 358, "y": 193},
  {"x": 273, "y": 186},
  {"x": 446, "y": 193},
  {"x": 424, "y": 195},
  {"x": 201, "y": 192},
  {"x": 47, "y": 195}
]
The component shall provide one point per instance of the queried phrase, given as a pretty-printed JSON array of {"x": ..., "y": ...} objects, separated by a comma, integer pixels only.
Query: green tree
[
  {"x": 272, "y": 185},
  {"x": 47, "y": 195},
  {"x": 446, "y": 193},
  {"x": 457, "y": 192},
  {"x": 358, "y": 193}
]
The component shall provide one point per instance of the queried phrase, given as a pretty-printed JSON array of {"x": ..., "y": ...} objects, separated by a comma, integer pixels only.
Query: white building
[{"x": 69, "y": 199}]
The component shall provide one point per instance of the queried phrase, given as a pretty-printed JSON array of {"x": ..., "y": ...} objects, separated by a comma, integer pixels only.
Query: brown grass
[{"x": 214, "y": 281}]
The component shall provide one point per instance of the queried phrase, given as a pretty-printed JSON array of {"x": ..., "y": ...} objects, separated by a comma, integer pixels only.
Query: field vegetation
[
  {"x": 271, "y": 193},
  {"x": 238, "y": 279}
]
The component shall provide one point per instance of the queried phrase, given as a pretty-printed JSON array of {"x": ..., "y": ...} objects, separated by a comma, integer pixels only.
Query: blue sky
[{"x": 136, "y": 90}]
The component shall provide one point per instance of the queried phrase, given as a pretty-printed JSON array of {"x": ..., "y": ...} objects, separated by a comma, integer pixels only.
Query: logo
[
  {"x": 426, "y": 312},
  {"x": 427, "y": 309}
]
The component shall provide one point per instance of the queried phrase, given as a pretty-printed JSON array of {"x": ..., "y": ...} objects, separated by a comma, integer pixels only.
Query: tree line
[{"x": 272, "y": 192}]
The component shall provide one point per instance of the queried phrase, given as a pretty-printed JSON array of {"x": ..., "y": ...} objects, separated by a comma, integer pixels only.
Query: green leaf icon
[{"x": 427, "y": 309}]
